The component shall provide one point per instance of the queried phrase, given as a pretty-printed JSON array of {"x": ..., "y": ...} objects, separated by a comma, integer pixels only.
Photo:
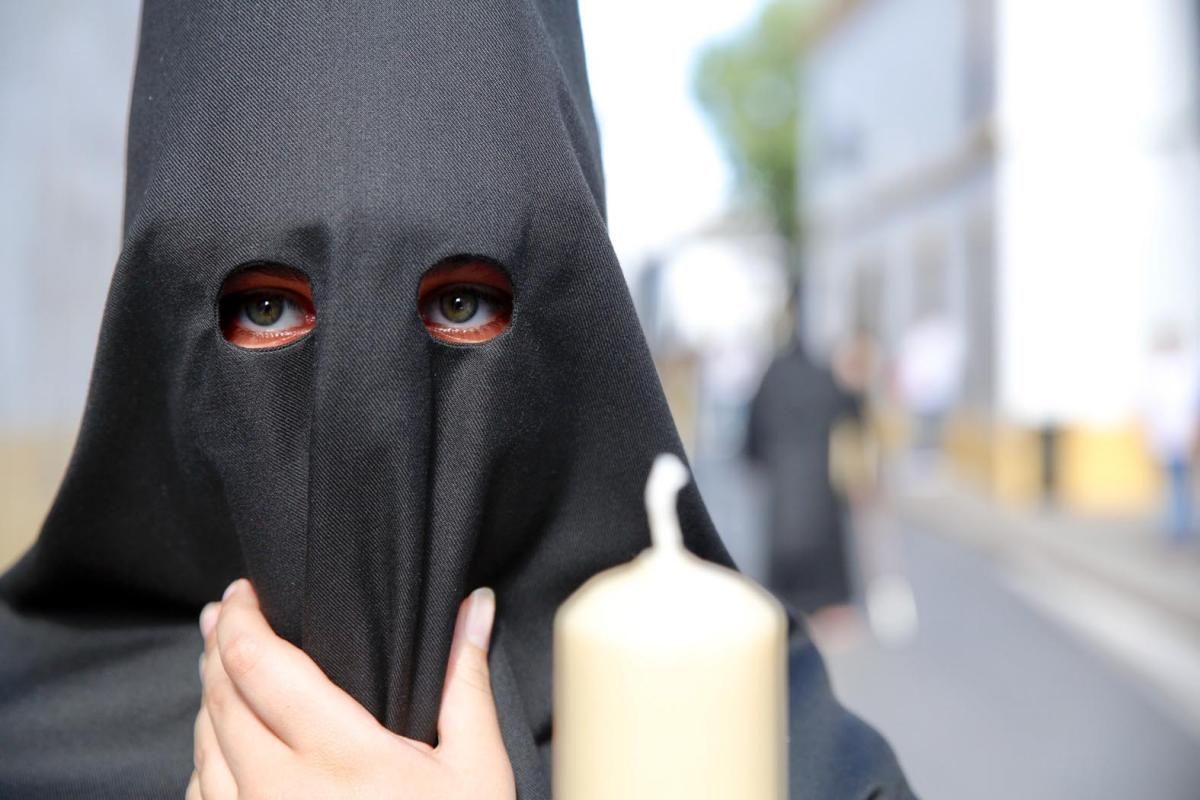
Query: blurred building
[
  {"x": 708, "y": 303},
  {"x": 1031, "y": 172},
  {"x": 65, "y": 71}
]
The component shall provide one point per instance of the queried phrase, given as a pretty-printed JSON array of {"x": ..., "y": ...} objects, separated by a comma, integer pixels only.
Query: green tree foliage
[{"x": 749, "y": 88}]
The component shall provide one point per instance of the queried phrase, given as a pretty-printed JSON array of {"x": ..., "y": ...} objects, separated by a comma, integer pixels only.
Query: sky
[{"x": 664, "y": 173}]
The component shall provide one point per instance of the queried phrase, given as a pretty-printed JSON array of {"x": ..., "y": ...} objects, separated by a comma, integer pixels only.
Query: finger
[
  {"x": 208, "y": 618},
  {"x": 467, "y": 724},
  {"x": 193, "y": 788},
  {"x": 208, "y": 622},
  {"x": 282, "y": 685},
  {"x": 245, "y": 742},
  {"x": 213, "y": 777}
]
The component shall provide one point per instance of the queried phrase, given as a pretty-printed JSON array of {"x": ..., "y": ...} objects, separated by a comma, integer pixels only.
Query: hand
[{"x": 271, "y": 723}]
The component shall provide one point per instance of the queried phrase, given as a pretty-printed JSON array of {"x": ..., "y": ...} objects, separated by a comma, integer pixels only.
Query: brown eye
[
  {"x": 266, "y": 305},
  {"x": 266, "y": 310},
  {"x": 458, "y": 305},
  {"x": 465, "y": 301}
]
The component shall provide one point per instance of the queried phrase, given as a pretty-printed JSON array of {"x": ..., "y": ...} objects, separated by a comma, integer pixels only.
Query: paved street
[
  {"x": 994, "y": 700},
  {"x": 1000, "y": 695}
]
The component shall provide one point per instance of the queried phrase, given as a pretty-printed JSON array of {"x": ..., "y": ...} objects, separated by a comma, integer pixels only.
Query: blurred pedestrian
[
  {"x": 929, "y": 371},
  {"x": 1170, "y": 402},
  {"x": 855, "y": 471},
  {"x": 792, "y": 417},
  {"x": 854, "y": 445}
]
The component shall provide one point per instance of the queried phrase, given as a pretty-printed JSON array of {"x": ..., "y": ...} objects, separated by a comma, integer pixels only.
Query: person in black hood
[
  {"x": 366, "y": 474},
  {"x": 792, "y": 416}
]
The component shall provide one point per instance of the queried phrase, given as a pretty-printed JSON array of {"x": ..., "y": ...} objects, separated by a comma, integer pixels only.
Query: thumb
[{"x": 467, "y": 725}]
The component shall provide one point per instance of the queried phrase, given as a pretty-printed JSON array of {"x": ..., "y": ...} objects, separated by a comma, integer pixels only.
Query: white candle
[{"x": 669, "y": 675}]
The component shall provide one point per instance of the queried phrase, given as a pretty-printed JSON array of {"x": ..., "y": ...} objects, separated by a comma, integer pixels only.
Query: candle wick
[{"x": 667, "y": 477}]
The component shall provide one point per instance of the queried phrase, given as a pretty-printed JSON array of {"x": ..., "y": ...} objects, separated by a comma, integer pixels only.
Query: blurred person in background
[
  {"x": 855, "y": 467},
  {"x": 1170, "y": 404},
  {"x": 792, "y": 417},
  {"x": 928, "y": 375}
]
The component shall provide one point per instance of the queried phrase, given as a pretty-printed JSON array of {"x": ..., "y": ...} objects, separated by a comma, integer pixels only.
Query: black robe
[
  {"x": 367, "y": 476},
  {"x": 791, "y": 418}
]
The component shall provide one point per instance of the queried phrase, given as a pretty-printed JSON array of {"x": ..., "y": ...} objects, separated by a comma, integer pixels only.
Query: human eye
[
  {"x": 465, "y": 301},
  {"x": 463, "y": 307},
  {"x": 266, "y": 306}
]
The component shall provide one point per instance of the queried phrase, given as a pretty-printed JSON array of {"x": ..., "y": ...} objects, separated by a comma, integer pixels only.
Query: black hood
[{"x": 366, "y": 477}]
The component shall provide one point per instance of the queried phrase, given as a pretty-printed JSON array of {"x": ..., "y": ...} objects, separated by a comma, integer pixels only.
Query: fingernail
[
  {"x": 480, "y": 615},
  {"x": 229, "y": 590},
  {"x": 208, "y": 618}
]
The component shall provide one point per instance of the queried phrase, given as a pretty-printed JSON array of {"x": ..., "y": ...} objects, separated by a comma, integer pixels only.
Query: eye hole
[
  {"x": 465, "y": 301},
  {"x": 266, "y": 305}
]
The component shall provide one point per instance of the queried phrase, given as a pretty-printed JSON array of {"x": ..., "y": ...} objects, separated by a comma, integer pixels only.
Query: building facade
[
  {"x": 1030, "y": 171},
  {"x": 65, "y": 72}
]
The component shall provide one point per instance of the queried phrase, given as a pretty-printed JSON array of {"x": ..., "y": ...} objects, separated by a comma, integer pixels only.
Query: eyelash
[
  {"x": 501, "y": 307},
  {"x": 295, "y": 319}
]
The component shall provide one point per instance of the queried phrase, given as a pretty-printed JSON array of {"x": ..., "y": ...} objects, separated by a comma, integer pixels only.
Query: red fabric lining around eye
[
  {"x": 259, "y": 279},
  {"x": 466, "y": 272}
]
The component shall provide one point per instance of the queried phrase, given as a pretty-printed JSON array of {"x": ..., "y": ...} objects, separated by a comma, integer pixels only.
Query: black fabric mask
[{"x": 366, "y": 477}]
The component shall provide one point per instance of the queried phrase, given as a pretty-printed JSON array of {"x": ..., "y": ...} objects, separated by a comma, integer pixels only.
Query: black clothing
[
  {"x": 366, "y": 477},
  {"x": 791, "y": 418}
]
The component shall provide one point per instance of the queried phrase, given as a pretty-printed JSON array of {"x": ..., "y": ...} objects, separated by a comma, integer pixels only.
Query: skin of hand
[{"x": 272, "y": 725}]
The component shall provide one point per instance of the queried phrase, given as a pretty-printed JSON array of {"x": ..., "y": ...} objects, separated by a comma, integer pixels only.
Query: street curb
[{"x": 1171, "y": 587}]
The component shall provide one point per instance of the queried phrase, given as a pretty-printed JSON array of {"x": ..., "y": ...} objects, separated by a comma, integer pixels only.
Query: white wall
[
  {"x": 1094, "y": 194},
  {"x": 884, "y": 96},
  {"x": 1098, "y": 208},
  {"x": 65, "y": 72},
  {"x": 888, "y": 104}
]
